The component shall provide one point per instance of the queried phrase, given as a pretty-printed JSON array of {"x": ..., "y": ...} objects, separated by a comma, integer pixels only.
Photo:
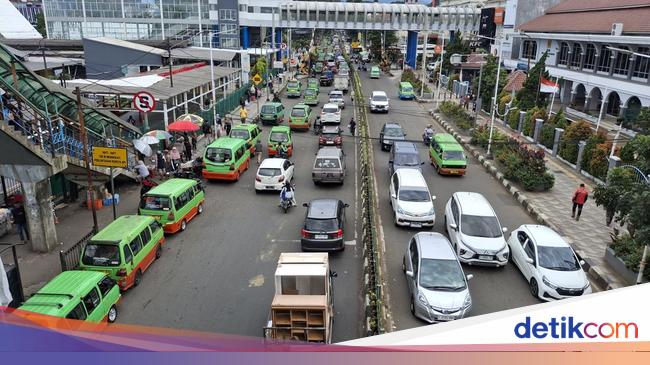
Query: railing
[
  {"x": 70, "y": 258},
  {"x": 276, "y": 333}
]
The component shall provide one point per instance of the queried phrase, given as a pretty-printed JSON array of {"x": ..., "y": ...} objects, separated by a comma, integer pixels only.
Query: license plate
[
  {"x": 416, "y": 225},
  {"x": 484, "y": 257},
  {"x": 445, "y": 318},
  {"x": 157, "y": 217},
  {"x": 269, "y": 187},
  {"x": 320, "y": 236},
  {"x": 330, "y": 142},
  {"x": 453, "y": 171}
]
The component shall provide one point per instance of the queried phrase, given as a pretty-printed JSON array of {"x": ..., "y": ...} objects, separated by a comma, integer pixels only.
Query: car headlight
[
  {"x": 466, "y": 250},
  {"x": 587, "y": 286},
  {"x": 548, "y": 283},
  {"x": 400, "y": 210},
  {"x": 422, "y": 299},
  {"x": 468, "y": 301},
  {"x": 431, "y": 211},
  {"x": 504, "y": 253}
]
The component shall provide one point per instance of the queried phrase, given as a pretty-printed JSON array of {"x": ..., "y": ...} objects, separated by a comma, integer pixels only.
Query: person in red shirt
[{"x": 579, "y": 199}]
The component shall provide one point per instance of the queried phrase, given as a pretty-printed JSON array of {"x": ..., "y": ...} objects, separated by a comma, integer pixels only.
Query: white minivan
[
  {"x": 379, "y": 102},
  {"x": 411, "y": 200},
  {"x": 330, "y": 114}
]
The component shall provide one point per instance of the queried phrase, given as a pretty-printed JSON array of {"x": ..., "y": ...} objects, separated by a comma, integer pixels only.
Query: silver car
[
  {"x": 329, "y": 166},
  {"x": 436, "y": 281}
]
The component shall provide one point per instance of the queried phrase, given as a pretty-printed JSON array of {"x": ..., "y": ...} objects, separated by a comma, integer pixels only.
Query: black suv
[
  {"x": 330, "y": 135},
  {"x": 326, "y": 78},
  {"x": 390, "y": 133},
  {"x": 323, "y": 227}
]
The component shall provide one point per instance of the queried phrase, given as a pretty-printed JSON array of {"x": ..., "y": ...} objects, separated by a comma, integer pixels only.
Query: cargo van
[
  {"x": 174, "y": 203},
  {"x": 341, "y": 83}
]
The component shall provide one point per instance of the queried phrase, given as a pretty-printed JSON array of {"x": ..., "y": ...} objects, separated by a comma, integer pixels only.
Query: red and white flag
[{"x": 548, "y": 86}]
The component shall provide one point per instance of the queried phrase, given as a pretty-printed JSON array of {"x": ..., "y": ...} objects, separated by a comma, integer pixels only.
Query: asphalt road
[
  {"x": 491, "y": 289},
  {"x": 217, "y": 276}
]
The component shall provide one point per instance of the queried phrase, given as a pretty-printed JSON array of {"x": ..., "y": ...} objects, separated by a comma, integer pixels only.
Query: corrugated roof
[
  {"x": 515, "y": 81},
  {"x": 129, "y": 45},
  {"x": 203, "y": 54},
  {"x": 583, "y": 5},
  {"x": 13, "y": 24}
]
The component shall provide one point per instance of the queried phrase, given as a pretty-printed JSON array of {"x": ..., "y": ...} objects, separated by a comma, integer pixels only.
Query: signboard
[
  {"x": 278, "y": 64},
  {"x": 144, "y": 101},
  {"x": 455, "y": 59},
  {"x": 257, "y": 79},
  {"x": 245, "y": 62},
  {"x": 498, "y": 15},
  {"x": 109, "y": 157}
]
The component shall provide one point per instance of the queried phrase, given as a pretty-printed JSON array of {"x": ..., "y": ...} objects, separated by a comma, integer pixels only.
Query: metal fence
[
  {"x": 70, "y": 258},
  {"x": 9, "y": 187},
  {"x": 231, "y": 102}
]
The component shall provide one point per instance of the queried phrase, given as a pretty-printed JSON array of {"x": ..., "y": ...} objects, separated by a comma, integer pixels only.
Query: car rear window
[
  {"x": 239, "y": 133},
  {"x": 321, "y": 225},
  {"x": 218, "y": 155},
  {"x": 330, "y": 109},
  {"x": 101, "y": 254},
  {"x": 329, "y": 135},
  {"x": 154, "y": 202},
  {"x": 292, "y": 84},
  {"x": 327, "y": 163},
  {"x": 279, "y": 137},
  {"x": 269, "y": 172},
  {"x": 453, "y": 155},
  {"x": 268, "y": 109},
  {"x": 298, "y": 112}
]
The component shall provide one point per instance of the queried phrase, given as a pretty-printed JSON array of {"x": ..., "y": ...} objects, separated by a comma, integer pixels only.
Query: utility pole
[
  {"x": 171, "y": 74},
  {"x": 424, "y": 62},
  {"x": 478, "y": 93},
  {"x": 442, "y": 63},
  {"x": 84, "y": 141}
]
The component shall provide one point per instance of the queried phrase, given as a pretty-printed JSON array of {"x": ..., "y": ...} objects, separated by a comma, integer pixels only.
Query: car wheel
[
  {"x": 138, "y": 278},
  {"x": 158, "y": 252},
  {"x": 534, "y": 288},
  {"x": 112, "y": 314},
  {"x": 257, "y": 191},
  {"x": 199, "y": 209},
  {"x": 183, "y": 225},
  {"x": 412, "y": 306}
]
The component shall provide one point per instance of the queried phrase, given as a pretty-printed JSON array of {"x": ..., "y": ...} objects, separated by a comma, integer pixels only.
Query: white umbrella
[
  {"x": 149, "y": 139},
  {"x": 143, "y": 147}
]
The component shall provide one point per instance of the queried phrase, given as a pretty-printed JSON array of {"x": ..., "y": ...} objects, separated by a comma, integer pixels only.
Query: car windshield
[
  {"x": 327, "y": 163},
  {"x": 557, "y": 258},
  {"x": 269, "y": 172},
  {"x": 443, "y": 275},
  {"x": 321, "y": 225},
  {"x": 101, "y": 254},
  {"x": 330, "y": 109},
  {"x": 310, "y": 92},
  {"x": 480, "y": 226},
  {"x": 379, "y": 98},
  {"x": 239, "y": 133},
  {"x": 414, "y": 195},
  {"x": 393, "y": 132},
  {"x": 279, "y": 137},
  {"x": 293, "y": 84},
  {"x": 218, "y": 155},
  {"x": 453, "y": 155},
  {"x": 407, "y": 88},
  {"x": 154, "y": 202},
  {"x": 407, "y": 159},
  {"x": 268, "y": 109}
]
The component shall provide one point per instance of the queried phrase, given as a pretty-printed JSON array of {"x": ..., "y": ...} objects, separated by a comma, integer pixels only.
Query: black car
[
  {"x": 326, "y": 78},
  {"x": 330, "y": 135},
  {"x": 323, "y": 227},
  {"x": 389, "y": 133},
  {"x": 404, "y": 155}
]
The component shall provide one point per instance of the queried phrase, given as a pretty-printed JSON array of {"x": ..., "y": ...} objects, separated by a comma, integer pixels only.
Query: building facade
[
  {"x": 29, "y": 9},
  {"x": 600, "y": 52}
]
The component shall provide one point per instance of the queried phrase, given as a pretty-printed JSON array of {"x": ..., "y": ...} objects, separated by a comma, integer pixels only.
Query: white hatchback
[
  {"x": 272, "y": 174},
  {"x": 330, "y": 114},
  {"x": 475, "y": 231},
  {"x": 548, "y": 263}
]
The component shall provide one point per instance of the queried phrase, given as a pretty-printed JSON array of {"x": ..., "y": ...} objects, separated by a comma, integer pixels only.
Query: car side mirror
[
  {"x": 470, "y": 276},
  {"x": 530, "y": 260},
  {"x": 333, "y": 274},
  {"x": 582, "y": 262},
  {"x": 409, "y": 274},
  {"x": 453, "y": 226},
  {"x": 306, "y": 205},
  {"x": 504, "y": 229},
  {"x": 346, "y": 205},
  {"x": 433, "y": 197}
]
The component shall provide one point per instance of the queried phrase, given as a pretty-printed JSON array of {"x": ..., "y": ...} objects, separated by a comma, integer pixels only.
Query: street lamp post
[{"x": 442, "y": 63}]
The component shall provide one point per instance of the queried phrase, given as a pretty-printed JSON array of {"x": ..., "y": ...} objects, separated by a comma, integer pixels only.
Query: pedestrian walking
[
  {"x": 248, "y": 96},
  {"x": 160, "y": 163},
  {"x": 169, "y": 163},
  {"x": 194, "y": 142},
  {"x": 176, "y": 158},
  {"x": 252, "y": 91},
  {"x": 242, "y": 100},
  {"x": 20, "y": 221},
  {"x": 188, "y": 149},
  {"x": 243, "y": 114},
  {"x": 258, "y": 151},
  {"x": 579, "y": 199},
  {"x": 143, "y": 171},
  {"x": 228, "y": 125}
]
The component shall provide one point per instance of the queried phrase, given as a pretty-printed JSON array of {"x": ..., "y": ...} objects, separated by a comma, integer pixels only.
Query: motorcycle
[
  {"x": 286, "y": 201},
  {"x": 426, "y": 138},
  {"x": 282, "y": 153},
  {"x": 190, "y": 172}
]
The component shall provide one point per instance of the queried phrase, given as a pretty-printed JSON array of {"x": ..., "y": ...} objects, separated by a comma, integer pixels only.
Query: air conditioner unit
[{"x": 617, "y": 29}]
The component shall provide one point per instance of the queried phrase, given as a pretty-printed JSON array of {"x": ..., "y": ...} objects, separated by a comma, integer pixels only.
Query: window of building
[
  {"x": 642, "y": 64},
  {"x": 242, "y": 7},
  {"x": 312, "y": 15},
  {"x": 251, "y": 9},
  {"x": 621, "y": 63},
  {"x": 266, "y": 10},
  {"x": 529, "y": 49},
  {"x": 590, "y": 58},
  {"x": 605, "y": 59},
  {"x": 563, "y": 56},
  {"x": 576, "y": 55},
  {"x": 229, "y": 29},
  {"x": 230, "y": 43},
  {"x": 228, "y": 14}
]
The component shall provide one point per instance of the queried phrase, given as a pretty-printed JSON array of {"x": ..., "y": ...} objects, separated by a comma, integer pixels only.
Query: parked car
[
  {"x": 475, "y": 231},
  {"x": 329, "y": 166},
  {"x": 550, "y": 266},
  {"x": 336, "y": 97},
  {"x": 330, "y": 114},
  {"x": 404, "y": 155},
  {"x": 390, "y": 132},
  {"x": 378, "y": 102},
  {"x": 273, "y": 173},
  {"x": 324, "y": 225},
  {"x": 411, "y": 200},
  {"x": 437, "y": 285},
  {"x": 330, "y": 135}
]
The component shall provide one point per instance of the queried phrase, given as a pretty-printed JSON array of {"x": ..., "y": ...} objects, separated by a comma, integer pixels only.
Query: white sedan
[
  {"x": 273, "y": 173},
  {"x": 548, "y": 263}
]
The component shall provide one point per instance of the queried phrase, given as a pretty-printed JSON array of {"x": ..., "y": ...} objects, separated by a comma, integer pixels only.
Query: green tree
[
  {"x": 529, "y": 95},
  {"x": 488, "y": 80},
  {"x": 374, "y": 39},
  {"x": 637, "y": 152},
  {"x": 643, "y": 120},
  {"x": 609, "y": 195},
  {"x": 574, "y": 133},
  {"x": 40, "y": 24}
]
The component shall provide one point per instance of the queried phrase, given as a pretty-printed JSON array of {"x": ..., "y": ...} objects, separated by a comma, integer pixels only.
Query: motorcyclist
[
  {"x": 288, "y": 193},
  {"x": 352, "y": 126},
  {"x": 428, "y": 133},
  {"x": 147, "y": 184},
  {"x": 317, "y": 124},
  {"x": 283, "y": 151}
]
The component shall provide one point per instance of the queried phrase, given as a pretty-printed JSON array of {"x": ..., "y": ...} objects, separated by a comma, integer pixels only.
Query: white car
[
  {"x": 475, "y": 231},
  {"x": 330, "y": 114},
  {"x": 548, "y": 263},
  {"x": 379, "y": 102},
  {"x": 336, "y": 97},
  {"x": 272, "y": 174},
  {"x": 411, "y": 200}
]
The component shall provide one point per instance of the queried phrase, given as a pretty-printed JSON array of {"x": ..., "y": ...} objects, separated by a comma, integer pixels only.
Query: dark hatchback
[
  {"x": 324, "y": 224},
  {"x": 390, "y": 133},
  {"x": 330, "y": 135}
]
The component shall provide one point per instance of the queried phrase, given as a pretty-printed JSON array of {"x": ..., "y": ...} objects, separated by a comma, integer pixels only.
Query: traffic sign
[
  {"x": 293, "y": 62},
  {"x": 109, "y": 157},
  {"x": 283, "y": 46},
  {"x": 257, "y": 79},
  {"x": 437, "y": 49},
  {"x": 144, "y": 101}
]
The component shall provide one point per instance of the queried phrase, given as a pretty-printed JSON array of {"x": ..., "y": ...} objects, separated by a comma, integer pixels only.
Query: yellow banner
[{"x": 109, "y": 157}]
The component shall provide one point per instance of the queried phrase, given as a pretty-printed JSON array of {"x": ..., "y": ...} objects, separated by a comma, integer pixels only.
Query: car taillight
[
  {"x": 337, "y": 139},
  {"x": 258, "y": 178},
  {"x": 121, "y": 272},
  {"x": 304, "y": 233},
  {"x": 232, "y": 166},
  {"x": 281, "y": 179},
  {"x": 170, "y": 216},
  {"x": 322, "y": 140},
  {"x": 339, "y": 233}
]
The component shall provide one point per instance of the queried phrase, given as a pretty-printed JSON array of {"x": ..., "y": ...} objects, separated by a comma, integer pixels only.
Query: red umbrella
[{"x": 183, "y": 126}]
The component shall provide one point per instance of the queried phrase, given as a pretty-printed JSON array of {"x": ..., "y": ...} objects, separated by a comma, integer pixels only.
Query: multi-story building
[
  {"x": 596, "y": 49},
  {"x": 29, "y": 9}
]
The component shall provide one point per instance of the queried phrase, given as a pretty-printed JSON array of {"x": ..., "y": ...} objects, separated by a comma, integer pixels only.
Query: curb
[{"x": 592, "y": 270}]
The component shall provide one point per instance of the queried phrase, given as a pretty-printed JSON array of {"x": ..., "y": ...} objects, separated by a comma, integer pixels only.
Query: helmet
[{"x": 429, "y": 126}]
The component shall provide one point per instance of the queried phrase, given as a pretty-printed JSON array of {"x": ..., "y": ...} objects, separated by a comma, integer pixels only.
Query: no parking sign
[{"x": 144, "y": 101}]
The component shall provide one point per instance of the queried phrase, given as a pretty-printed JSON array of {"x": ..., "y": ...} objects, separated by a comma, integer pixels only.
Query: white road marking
[
  {"x": 351, "y": 243},
  {"x": 284, "y": 241}
]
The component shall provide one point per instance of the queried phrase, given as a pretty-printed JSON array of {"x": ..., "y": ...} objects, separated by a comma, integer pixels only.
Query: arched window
[
  {"x": 621, "y": 64},
  {"x": 642, "y": 64},
  {"x": 605, "y": 59},
  {"x": 529, "y": 49},
  {"x": 563, "y": 57},
  {"x": 575, "y": 55},
  {"x": 590, "y": 58}
]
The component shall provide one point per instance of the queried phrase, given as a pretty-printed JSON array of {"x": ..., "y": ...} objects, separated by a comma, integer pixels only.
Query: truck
[
  {"x": 341, "y": 83},
  {"x": 302, "y": 307}
]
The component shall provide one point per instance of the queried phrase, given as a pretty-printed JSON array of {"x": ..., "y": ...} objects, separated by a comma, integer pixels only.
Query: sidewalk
[
  {"x": 589, "y": 237},
  {"x": 75, "y": 221}
]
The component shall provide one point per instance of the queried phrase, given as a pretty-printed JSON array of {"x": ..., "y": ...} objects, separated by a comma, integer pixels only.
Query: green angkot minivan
[
  {"x": 174, "y": 203},
  {"x": 374, "y": 72},
  {"x": 250, "y": 133},
  {"x": 277, "y": 135},
  {"x": 312, "y": 83},
  {"x": 311, "y": 97},
  {"x": 300, "y": 117},
  {"x": 226, "y": 159},
  {"x": 447, "y": 156},
  {"x": 406, "y": 90},
  {"x": 294, "y": 89},
  {"x": 272, "y": 113}
]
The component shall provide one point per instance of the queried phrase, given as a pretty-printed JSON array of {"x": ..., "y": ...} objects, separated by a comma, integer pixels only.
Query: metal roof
[
  {"x": 14, "y": 25},
  {"x": 129, "y": 45},
  {"x": 203, "y": 54}
]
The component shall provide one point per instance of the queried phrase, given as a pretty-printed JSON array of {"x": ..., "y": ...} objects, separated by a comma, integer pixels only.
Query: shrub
[
  {"x": 525, "y": 166},
  {"x": 547, "y": 135},
  {"x": 590, "y": 147},
  {"x": 481, "y": 136},
  {"x": 559, "y": 119},
  {"x": 599, "y": 163},
  {"x": 503, "y": 100},
  {"x": 452, "y": 78},
  {"x": 628, "y": 250},
  {"x": 457, "y": 114},
  {"x": 513, "y": 119},
  {"x": 574, "y": 133},
  {"x": 409, "y": 76}
]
